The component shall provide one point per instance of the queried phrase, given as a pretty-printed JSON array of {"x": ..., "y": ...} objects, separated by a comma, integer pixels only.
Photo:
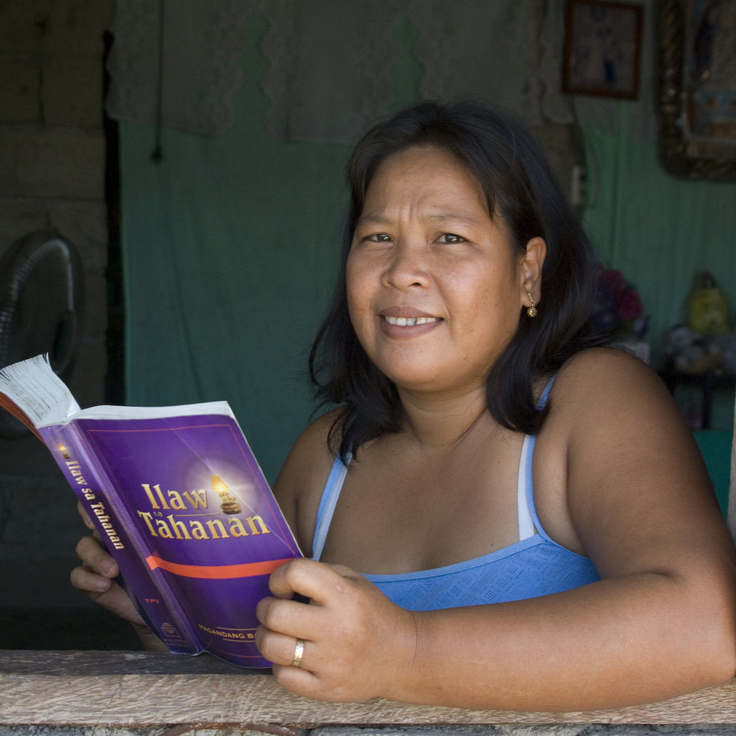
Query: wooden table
[{"x": 146, "y": 690}]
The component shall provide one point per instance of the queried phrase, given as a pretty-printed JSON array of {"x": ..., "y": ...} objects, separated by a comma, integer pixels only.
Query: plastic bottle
[{"x": 708, "y": 307}]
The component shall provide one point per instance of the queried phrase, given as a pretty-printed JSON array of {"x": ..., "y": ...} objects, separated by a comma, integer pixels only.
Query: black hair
[{"x": 519, "y": 187}]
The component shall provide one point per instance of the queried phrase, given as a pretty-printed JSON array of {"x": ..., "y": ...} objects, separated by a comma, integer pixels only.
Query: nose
[{"x": 406, "y": 267}]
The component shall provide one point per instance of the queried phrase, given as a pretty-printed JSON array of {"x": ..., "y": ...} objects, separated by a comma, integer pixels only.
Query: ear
[{"x": 530, "y": 270}]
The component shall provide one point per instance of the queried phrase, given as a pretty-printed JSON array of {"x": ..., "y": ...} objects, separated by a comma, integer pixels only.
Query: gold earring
[{"x": 531, "y": 311}]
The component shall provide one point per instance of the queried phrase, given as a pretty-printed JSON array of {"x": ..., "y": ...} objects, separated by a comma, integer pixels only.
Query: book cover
[{"x": 182, "y": 504}]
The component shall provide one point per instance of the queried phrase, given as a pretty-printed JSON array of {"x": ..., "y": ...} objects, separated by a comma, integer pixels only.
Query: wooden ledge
[{"x": 147, "y": 689}]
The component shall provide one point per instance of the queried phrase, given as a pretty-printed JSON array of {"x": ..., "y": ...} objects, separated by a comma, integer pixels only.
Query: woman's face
[{"x": 434, "y": 286}]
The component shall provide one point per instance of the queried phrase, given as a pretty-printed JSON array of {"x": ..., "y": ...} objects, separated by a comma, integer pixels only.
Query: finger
[
  {"x": 84, "y": 579},
  {"x": 291, "y": 618},
  {"x": 301, "y": 681},
  {"x": 94, "y": 557},
  {"x": 280, "y": 649},
  {"x": 313, "y": 580},
  {"x": 107, "y": 594}
]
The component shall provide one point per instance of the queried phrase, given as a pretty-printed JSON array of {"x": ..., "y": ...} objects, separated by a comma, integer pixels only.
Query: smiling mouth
[{"x": 411, "y": 321}]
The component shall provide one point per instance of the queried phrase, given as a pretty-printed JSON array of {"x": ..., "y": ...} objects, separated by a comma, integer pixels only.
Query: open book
[{"x": 178, "y": 499}]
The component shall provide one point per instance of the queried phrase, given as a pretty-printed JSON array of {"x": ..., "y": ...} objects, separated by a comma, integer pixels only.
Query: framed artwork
[
  {"x": 697, "y": 87},
  {"x": 602, "y": 48}
]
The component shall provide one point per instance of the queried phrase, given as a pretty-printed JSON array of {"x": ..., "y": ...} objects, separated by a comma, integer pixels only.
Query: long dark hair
[{"x": 520, "y": 187}]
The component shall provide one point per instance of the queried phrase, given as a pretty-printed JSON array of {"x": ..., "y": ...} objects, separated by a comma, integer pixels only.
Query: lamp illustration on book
[{"x": 229, "y": 503}]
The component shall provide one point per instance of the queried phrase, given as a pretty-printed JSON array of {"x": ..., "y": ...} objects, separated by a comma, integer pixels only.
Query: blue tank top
[{"x": 534, "y": 566}]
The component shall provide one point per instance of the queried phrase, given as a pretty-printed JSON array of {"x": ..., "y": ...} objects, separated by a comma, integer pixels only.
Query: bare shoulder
[
  {"x": 636, "y": 487},
  {"x": 609, "y": 399},
  {"x": 606, "y": 388},
  {"x": 299, "y": 485},
  {"x": 607, "y": 372}
]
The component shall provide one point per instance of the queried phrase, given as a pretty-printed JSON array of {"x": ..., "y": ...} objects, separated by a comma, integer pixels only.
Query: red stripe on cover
[{"x": 216, "y": 572}]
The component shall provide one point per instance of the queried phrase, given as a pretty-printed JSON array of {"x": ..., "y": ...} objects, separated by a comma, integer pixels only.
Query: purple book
[{"x": 179, "y": 500}]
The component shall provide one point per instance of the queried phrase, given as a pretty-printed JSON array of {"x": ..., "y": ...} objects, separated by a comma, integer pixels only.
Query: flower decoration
[{"x": 618, "y": 308}]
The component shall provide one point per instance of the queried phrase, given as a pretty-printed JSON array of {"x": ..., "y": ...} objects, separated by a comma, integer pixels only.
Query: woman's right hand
[{"x": 96, "y": 576}]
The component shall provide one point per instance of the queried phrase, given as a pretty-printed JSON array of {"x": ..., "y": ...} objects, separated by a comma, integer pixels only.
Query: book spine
[{"x": 155, "y": 601}]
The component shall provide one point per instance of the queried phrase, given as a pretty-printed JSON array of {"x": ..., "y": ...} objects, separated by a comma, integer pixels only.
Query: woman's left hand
[{"x": 357, "y": 644}]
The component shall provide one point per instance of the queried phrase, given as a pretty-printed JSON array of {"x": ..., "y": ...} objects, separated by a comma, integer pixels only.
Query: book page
[
  {"x": 34, "y": 387},
  {"x": 156, "y": 412}
]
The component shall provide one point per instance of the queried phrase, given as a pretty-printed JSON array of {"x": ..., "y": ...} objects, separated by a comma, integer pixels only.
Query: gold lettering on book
[
  {"x": 76, "y": 472},
  {"x": 174, "y": 499},
  {"x": 183, "y": 526},
  {"x": 236, "y": 634},
  {"x": 172, "y": 528},
  {"x": 99, "y": 511}
]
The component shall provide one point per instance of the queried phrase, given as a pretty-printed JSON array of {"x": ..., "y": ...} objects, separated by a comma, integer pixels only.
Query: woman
[{"x": 502, "y": 513}]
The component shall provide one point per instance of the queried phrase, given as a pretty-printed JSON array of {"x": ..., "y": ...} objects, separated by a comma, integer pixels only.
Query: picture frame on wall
[
  {"x": 697, "y": 88},
  {"x": 602, "y": 54}
]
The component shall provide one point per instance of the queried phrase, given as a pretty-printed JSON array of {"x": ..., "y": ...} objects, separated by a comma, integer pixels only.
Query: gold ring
[{"x": 296, "y": 660}]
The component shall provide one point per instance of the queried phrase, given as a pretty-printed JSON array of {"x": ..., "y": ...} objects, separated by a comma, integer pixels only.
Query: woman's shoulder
[
  {"x": 615, "y": 445},
  {"x": 610, "y": 398},
  {"x": 608, "y": 388},
  {"x": 317, "y": 432},
  {"x": 605, "y": 371},
  {"x": 299, "y": 485}
]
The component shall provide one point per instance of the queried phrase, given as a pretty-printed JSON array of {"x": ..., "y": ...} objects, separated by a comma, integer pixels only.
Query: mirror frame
[{"x": 685, "y": 155}]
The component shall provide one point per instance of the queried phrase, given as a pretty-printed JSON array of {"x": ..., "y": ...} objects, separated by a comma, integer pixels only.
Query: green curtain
[
  {"x": 230, "y": 243},
  {"x": 229, "y": 247},
  {"x": 661, "y": 231},
  {"x": 230, "y": 251}
]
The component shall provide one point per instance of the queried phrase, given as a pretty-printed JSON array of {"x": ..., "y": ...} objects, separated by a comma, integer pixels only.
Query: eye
[
  {"x": 376, "y": 238},
  {"x": 450, "y": 238}
]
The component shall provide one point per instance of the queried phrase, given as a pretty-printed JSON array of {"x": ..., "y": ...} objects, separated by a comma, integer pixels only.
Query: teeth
[{"x": 410, "y": 321}]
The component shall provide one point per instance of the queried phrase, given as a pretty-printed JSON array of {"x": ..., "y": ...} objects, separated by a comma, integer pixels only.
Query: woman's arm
[{"x": 660, "y": 623}]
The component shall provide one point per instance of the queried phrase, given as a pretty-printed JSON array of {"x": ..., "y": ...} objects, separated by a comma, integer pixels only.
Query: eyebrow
[{"x": 378, "y": 219}]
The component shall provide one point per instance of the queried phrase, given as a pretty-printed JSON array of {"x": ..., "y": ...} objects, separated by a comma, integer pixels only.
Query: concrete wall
[
  {"x": 52, "y": 146},
  {"x": 52, "y": 174}
]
